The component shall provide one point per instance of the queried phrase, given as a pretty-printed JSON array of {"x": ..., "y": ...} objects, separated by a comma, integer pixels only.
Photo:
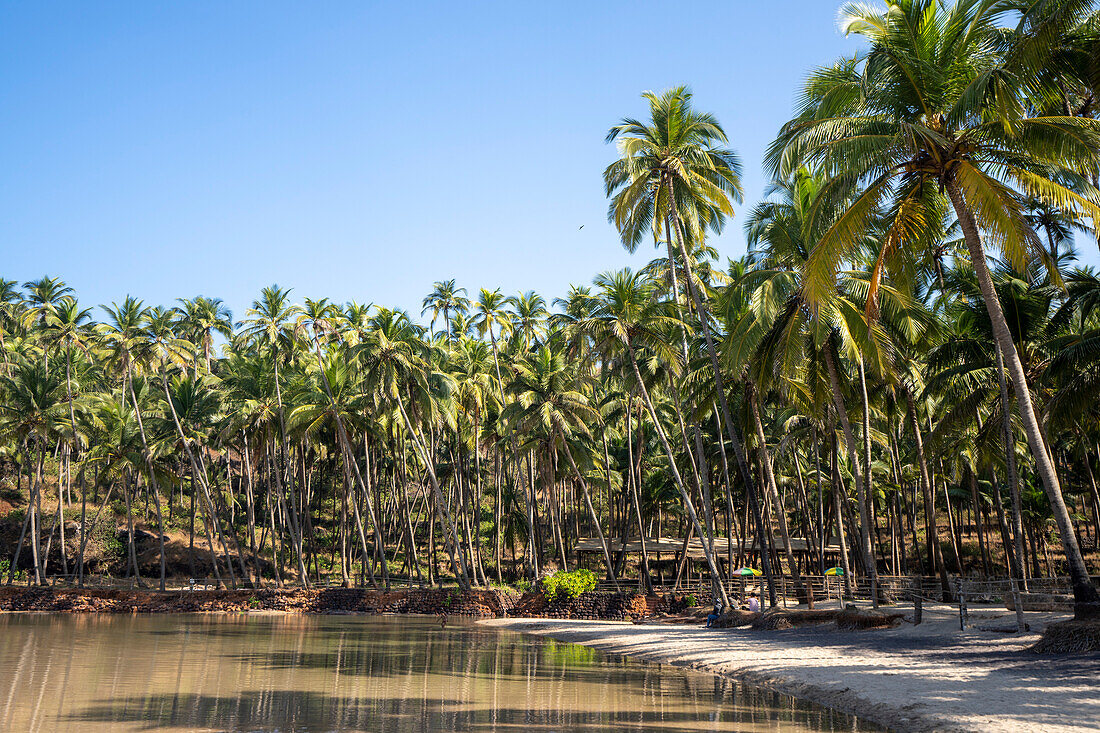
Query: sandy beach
[{"x": 931, "y": 677}]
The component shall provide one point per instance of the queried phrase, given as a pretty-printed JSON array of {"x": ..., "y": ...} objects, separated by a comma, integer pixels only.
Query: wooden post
[
  {"x": 810, "y": 595},
  {"x": 962, "y": 603},
  {"x": 1018, "y": 602},
  {"x": 918, "y": 603}
]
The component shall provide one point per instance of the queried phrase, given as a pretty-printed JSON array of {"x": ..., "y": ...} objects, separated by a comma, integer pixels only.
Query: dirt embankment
[
  {"x": 324, "y": 601},
  {"x": 451, "y": 602}
]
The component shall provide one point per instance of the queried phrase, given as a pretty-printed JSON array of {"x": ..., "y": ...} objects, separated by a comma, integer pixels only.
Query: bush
[
  {"x": 570, "y": 584},
  {"x": 691, "y": 601},
  {"x": 5, "y": 565}
]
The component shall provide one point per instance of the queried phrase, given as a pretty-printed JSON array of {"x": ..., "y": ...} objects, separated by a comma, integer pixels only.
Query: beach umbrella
[
  {"x": 747, "y": 572},
  {"x": 835, "y": 571}
]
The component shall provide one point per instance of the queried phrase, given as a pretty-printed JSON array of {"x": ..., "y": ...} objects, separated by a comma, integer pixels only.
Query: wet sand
[{"x": 931, "y": 677}]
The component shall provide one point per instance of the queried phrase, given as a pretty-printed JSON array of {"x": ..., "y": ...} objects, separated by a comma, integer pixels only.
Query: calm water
[{"x": 75, "y": 673}]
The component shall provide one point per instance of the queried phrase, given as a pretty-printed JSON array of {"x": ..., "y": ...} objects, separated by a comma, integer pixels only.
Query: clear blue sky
[{"x": 359, "y": 150}]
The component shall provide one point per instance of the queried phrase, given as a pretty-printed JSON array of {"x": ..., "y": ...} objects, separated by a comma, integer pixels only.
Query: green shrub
[
  {"x": 5, "y": 565},
  {"x": 570, "y": 584},
  {"x": 523, "y": 585},
  {"x": 691, "y": 601}
]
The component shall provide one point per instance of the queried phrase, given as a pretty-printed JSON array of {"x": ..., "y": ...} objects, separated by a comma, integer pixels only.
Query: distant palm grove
[{"x": 900, "y": 377}]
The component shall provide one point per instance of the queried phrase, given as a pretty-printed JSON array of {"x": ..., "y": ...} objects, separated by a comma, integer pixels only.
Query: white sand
[{"x": 931, "y": 677}]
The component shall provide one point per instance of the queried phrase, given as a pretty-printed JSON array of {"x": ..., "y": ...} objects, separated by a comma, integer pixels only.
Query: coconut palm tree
[
  {"x": 270, "y": 326},
  {"x": 627, "y": 316},
  {"x": 201, "y": 318},
  {"x": 675, "y": 174},
  {"x": 929, "y": 108},
  {"x": 549, "y": 405},
  {"x": 393, "y": 357},
  {"x": 33, "y": 417},
  {"x": 446, "y": 298}
]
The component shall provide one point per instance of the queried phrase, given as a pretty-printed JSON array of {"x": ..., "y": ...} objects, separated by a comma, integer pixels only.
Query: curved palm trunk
[
  {"x": 1012, "y": 477},
  {"x": 688, "y": 505},
  {"x": 201, "y": 474},
  {"x": 857, "y": 474},
  {"x": 152, "y": 478},
  {"x": 1085, "y": 596},
  {"x": 295, "y": 532},
  {"x": 458, "y": 565},
  {"x": 591, "y": 513},
  {"x": 773, "y": 490},
  {"x": 719, "y": 382},
  {"x": 349, "y": 459}
]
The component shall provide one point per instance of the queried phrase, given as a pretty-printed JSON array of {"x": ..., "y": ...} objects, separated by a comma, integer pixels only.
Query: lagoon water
[{"x": 77, "y": 673}]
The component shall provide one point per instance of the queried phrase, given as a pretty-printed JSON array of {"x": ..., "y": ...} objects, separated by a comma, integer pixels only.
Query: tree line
[{"x": 906, "y": 358}]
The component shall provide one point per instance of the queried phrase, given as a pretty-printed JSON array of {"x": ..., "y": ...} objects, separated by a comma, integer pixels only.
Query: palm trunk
[
  {"x": 853, "y": 456},
  {"x": 719, "y": 382},
  {"x": 591, "y": 513},
  {"x": 349, "y": 458},
  {"x": 769, "y": 477},
  {"x": 295, "y": 533},
  {"x": 453, "y": 544},
  {"x": 1011, "y": 475},
  {"x": 932, "y": 530},
  {"x": 688, "y": 505},
  {"x": 152, "y": 477},
  {"x": 1085, "y": 596}
]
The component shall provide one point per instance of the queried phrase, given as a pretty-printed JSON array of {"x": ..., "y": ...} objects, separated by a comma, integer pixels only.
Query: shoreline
[{"x": 911, "y": 679}]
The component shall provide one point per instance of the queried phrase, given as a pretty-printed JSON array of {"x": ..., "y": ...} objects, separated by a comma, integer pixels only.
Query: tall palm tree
[
  {"x": 126, "y": 336},
  {"x": 270, "y": 325},
  {"x": 446, "y": 298},
  {"x": 200, "y": 319},
  {"x": 530, "y": 314},
  {"x": 397, "y": 370},
  {"x": 928, "y": 108},
  {"x": 492, "y": 316},
  {"x": 9, "y": 302},
  {"x": 675, "y": 173},
  {"x": 32, "y": 416},
  {"x": 548, "y": 404},
  {"x": 68, "y": 328},
  {"x": 324, "y": 320},
  {"x": 626, "y": 315}
]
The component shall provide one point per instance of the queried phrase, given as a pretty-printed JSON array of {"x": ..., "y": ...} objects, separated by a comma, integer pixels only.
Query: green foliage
[
  {"x": 19, "y": 575},
  {"x": 568, "y": 584},
  {"x": 691, "y": 601}
]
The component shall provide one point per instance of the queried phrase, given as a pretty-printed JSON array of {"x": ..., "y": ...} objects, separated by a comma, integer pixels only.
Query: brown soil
[{"x": 323, "y": 601}]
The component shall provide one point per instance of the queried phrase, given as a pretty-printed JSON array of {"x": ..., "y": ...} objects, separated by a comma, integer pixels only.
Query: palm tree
[
  {"x": 127, "y": 338},
  {"x": 491, "y": 316},
  {"x": 528, "y": 323},
  {"x": 549, "y": 405},
  {"x": 395, "y": 368},
  {"x": 446, "y": 297},
  {"x": 270, "y": 325},
  {"x": 200, "y": 319},
  {"x": 627, "y": 316},
  {"x": 68, "y": 327},
  {"x": 674, "y": 172},
  {"x": 324, "y": 320},
  {"x": 9, "y": 303},
  {"x": 32, "y": 416},
  {"x": 928, "y": 109}
]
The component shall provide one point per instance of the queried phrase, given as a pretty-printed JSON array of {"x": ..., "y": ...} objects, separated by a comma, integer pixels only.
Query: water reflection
[{"x": 304, "y": 673}]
